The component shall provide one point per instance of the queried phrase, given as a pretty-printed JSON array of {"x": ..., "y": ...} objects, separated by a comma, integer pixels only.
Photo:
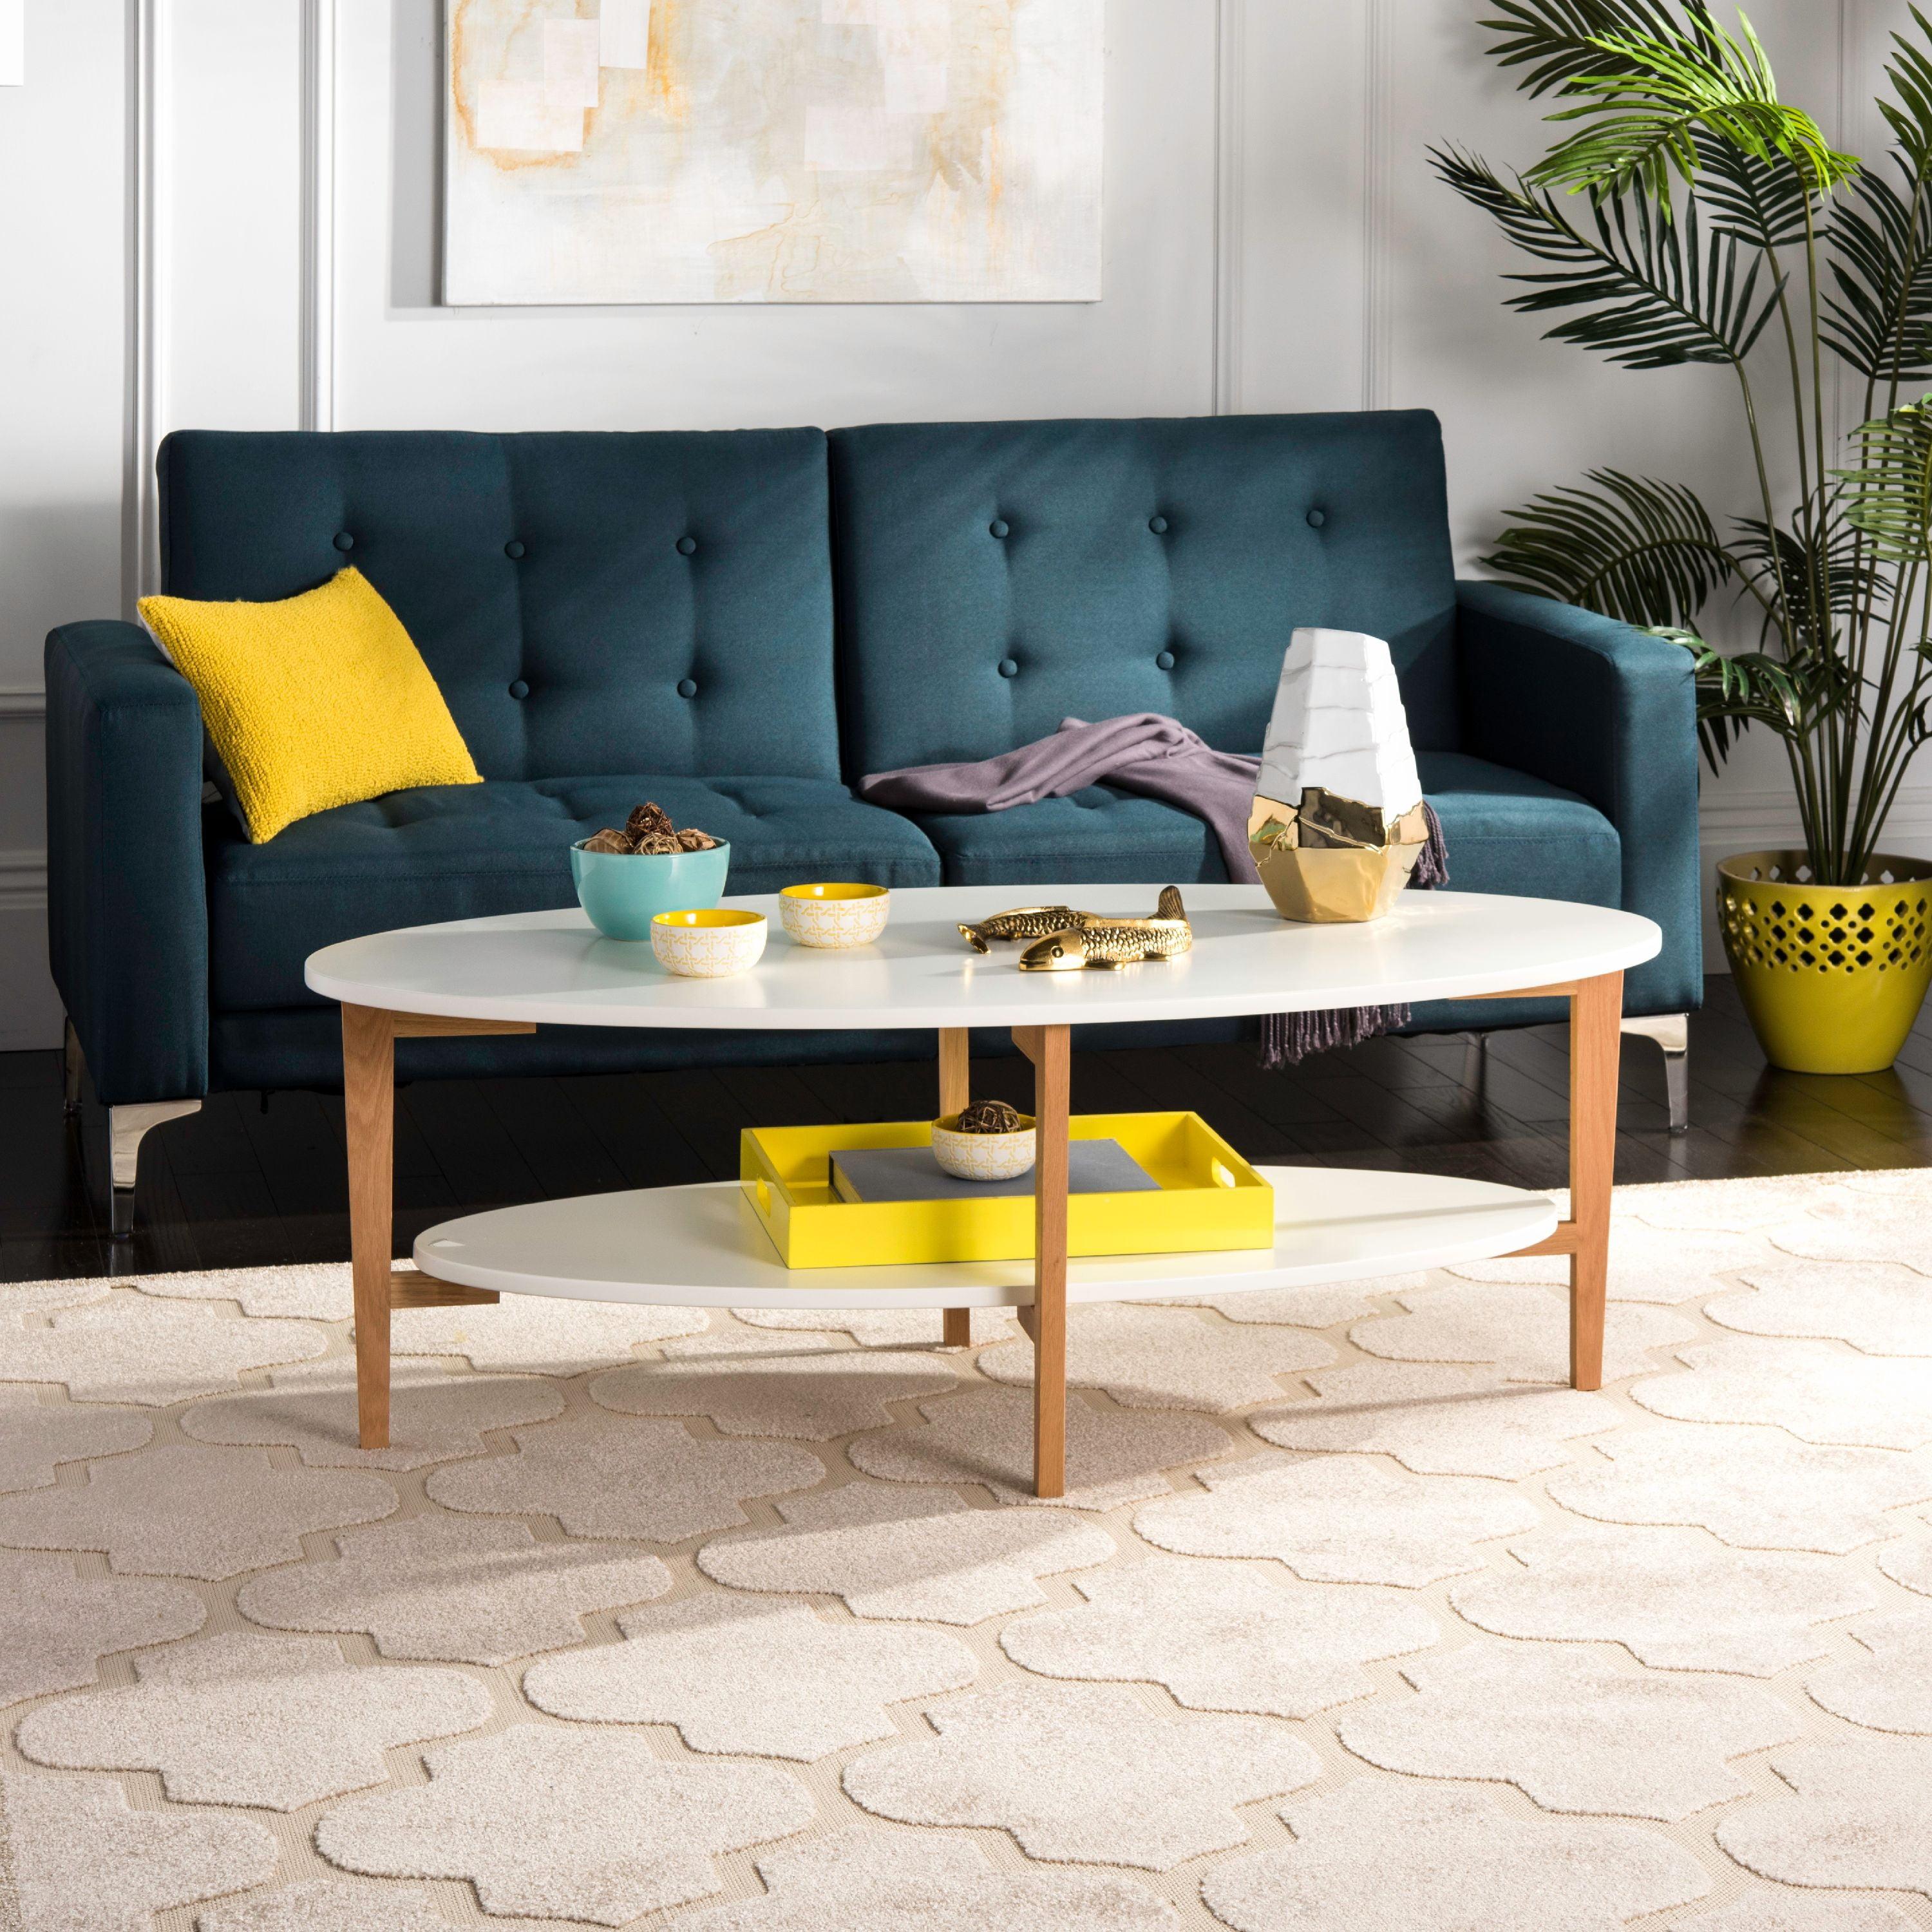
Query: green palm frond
[
  {"x": 1888, "y": 496},
  {"x": 1656, "y": 295},
  {"x": 1641, "y": 123},
  {"x": 1880, "y": 236},
  {"x": 1754, "y": 687},
  {"x": 1718, "y": 730},
  {"x": 1631, "y": 547},
  {"x": 1833, "y": 572},
  {"x": 1562, "y": 40},
  {"x": 1762, "y": 204},
  {"x": 1880, "y": 319},
  {"x": 1909, "y": 114}
]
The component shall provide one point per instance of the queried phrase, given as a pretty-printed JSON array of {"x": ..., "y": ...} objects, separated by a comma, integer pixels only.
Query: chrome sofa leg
[
  {"x": 1672, "y": 1032},
  {"x": 126, "y": 1126},
  {"x": 72, "y": 1068}
]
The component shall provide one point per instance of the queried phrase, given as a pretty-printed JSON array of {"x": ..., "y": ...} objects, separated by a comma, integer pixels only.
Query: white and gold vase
[{"x": 1338, "y": 824}]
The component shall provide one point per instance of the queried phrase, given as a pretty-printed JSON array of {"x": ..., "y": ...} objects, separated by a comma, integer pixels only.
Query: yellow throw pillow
[{"x": 319, "y": 700}]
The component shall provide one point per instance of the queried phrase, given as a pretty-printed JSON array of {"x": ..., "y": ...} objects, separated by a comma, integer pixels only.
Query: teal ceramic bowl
[{"x": 623, "y": 892}]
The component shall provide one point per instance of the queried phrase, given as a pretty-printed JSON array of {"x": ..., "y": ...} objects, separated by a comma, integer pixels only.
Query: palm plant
[{"x": 1685, "y": 214}]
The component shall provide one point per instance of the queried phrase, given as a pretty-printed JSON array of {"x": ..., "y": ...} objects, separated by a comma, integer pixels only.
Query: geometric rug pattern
[{"x": 1354, "y": 1617}]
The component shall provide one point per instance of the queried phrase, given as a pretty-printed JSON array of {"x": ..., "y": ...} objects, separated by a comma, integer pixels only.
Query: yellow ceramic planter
[{"x": 1831, "y": 976}]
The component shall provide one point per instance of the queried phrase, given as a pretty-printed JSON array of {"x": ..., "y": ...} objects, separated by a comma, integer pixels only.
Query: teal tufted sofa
[{"x": 740, "y": 624}]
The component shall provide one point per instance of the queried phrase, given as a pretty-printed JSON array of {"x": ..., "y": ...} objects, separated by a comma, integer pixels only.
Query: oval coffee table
[{"x": 702, "y": 1245}]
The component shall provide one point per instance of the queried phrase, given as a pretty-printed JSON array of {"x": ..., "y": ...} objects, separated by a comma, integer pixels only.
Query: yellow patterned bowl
[
  {"x": 835, "y": 915},
  {"x": 708, "y": 943},
  {"x": 983, "y": 1157}
]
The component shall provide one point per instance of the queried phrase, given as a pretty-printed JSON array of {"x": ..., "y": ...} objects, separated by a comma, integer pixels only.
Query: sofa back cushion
[
  {"x": 994, "y": 578},
  {"x": 657, "y": 602}
]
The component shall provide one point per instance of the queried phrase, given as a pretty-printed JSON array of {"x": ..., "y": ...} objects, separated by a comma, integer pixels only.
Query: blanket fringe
[
  {"x": 1432, "y": 868},
  {"x": 1288, "y": 1038}
]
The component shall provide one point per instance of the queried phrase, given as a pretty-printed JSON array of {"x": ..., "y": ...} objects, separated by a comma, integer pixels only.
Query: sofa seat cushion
[
  {"x": 1509, "y": 833},
  {"x": 1098, "y": 835},
  {"x": 413, "y": 858}
]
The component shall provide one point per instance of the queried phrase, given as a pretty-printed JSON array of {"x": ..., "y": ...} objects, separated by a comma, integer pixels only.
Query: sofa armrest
[
  {"x": 127, "y": 900},
  {"x": 1606, "y": 710}
]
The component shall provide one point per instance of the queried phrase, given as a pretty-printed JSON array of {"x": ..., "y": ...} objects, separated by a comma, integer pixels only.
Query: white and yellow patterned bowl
[
  {"x": 709, "y": 943},
  {"x": 835, "y": 915},
  {"x": 983, "y": 1157}
]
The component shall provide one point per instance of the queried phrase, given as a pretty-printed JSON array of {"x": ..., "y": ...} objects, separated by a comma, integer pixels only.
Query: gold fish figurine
[
  {"x": 1026, "y": 923},
  {"x": 1113, "y": 942}
]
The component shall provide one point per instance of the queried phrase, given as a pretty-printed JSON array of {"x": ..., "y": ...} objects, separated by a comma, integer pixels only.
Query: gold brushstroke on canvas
[
  {"x": 472, "y": 68},
  {"x": 663, "y": 69}
]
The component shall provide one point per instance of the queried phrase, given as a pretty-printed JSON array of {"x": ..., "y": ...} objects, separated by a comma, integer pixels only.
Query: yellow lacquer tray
[{"x": 1209, "y": 1198}]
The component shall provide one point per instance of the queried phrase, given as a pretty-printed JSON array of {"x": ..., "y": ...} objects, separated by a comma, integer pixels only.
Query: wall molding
[
  {"x": 23, "y": 881},
  {"x": 1767, "y": 815},
  {"x": 1858, "y": 120},
  {"x": 320, "y": 47},
  {"x": 1378, "y": 168},
  {"x": 1230, "y": 115},
  {"x": 22, "y": 700},
  {"x": 144, "y": 408}
]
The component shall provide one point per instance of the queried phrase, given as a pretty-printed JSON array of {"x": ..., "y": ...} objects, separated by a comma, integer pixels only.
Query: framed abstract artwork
[{"x": 772, "y": 151}]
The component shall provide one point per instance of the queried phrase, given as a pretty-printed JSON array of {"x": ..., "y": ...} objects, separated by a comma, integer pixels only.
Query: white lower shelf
[{"x": 702, "y": 1246}]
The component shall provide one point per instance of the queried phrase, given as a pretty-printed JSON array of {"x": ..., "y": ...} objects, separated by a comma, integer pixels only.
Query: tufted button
[
  {"x": 687, "y": 687},
  {"x": 686, "y": 545},
  {"x": 519, "y": 689},
  {"x": 1009, "y": 667},
  {"x": 1000, "y": 527},
  {"x": 1165, "y": 660},
  {"x": 1158, "y": 525},
  {"x": 513, "y": 548},
  {"x": 343, "y": 540},
  {"x": 1316, "y": 518}
]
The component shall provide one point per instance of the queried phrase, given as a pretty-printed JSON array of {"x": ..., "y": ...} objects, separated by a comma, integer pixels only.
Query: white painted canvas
[
  {"x": 1339, "y": 723},
  {"x": 758, "y": 150}
]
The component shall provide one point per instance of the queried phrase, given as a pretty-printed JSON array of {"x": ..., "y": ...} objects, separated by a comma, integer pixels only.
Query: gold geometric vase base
[{"x": 1331, "y": 860}]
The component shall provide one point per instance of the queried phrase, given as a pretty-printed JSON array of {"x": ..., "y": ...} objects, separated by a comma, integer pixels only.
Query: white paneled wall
[{"x": 231, "y": 221}]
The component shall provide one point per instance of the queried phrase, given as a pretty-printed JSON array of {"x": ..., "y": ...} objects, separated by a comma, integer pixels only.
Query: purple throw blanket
[{"x": 1159, "y": 757}]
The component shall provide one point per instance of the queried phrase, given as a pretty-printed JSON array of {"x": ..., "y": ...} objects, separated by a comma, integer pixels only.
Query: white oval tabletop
[{"x": 553, "y": 968}]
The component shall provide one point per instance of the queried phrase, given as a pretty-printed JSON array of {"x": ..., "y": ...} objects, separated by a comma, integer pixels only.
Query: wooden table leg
[
  {"x": 369, "y": 1109},
  {"x": 1048, "y": 1048},
  {"x": 1595, "y": 1039},
  {"x": 369, "y": 1036},
  {"x": 1596, "y": 1011},
  {"x": 956, "y": 1091}
]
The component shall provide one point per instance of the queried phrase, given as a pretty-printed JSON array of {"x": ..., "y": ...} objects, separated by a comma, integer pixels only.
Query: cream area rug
[{"x": 1356, "y": 1617}]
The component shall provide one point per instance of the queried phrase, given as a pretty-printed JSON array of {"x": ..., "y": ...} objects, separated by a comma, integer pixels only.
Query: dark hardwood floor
[{"x": 243, "y": 1184}]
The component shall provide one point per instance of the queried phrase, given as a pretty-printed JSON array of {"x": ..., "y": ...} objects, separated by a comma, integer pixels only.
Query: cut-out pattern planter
[{"x": 1831, "y": 976}]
